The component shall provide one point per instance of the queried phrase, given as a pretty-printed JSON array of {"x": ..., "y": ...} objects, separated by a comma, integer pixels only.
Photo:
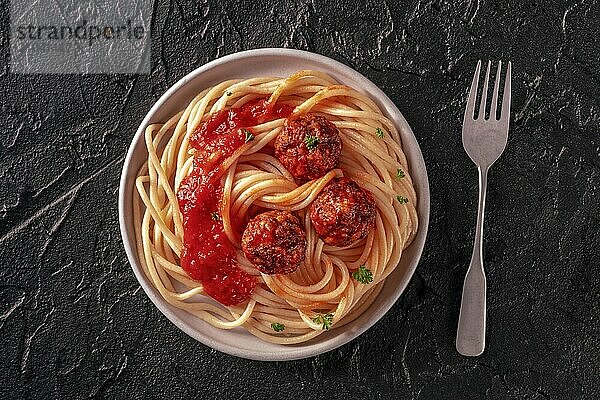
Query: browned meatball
[
  {"x": 274, "y": 242},
  {"x": 343, "y": 212},
  {"x": 309, "y": 146}
]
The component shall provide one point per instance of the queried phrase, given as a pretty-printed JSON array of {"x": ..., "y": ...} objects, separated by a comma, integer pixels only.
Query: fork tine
[
  {"x": 482, "y": 105},
  {"x": 470, "y": 109},
  {"x": 505, "y": 114},
  {"x": 495, "y": 95}
]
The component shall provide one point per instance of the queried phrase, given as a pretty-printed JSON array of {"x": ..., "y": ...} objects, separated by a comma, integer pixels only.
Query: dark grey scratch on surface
[
  {"x": 69, "y": 196},
  {"x": 74, "y": 322}
]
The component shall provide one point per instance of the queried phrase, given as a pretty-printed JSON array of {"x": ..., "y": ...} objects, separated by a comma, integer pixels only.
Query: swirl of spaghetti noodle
[{"x": 323, "y": 292}]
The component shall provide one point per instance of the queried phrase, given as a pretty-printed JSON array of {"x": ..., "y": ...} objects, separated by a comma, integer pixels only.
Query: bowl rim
[{"x": 310, "y": 348}]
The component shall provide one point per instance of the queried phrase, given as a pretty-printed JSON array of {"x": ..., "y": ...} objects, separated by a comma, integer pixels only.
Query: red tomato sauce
[{"x": 208, "y": 256}]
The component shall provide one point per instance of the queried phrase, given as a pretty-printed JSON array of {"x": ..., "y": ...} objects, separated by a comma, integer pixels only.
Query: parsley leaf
[
  {"x": 325, "y": 320},
  {"x": 277, "y": 327},
  {"x": 363, "y": 275},
  {"x": 379, "y": 132},
  {"x": 402, "y": 200},
  {"x": 399, "y": 173},
  {"x": 215, "y": 216},
  {"x": 311, "y": 141},
  {"x": 249, "y": 136}
]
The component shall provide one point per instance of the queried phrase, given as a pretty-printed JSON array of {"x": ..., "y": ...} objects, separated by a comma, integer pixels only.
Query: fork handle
[{"x": 470, "y": 336}]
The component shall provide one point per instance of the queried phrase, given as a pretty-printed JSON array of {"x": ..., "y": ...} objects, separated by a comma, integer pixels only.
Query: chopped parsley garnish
[
  {"x": 399, "y": 173},
  {"x": 249, "y": 136},
  {"x": 277, "y": 327},
  {"x": 402, "y": 200},
  {"x": 324, "y": 320},
  {"x": 379, "y": 132},
  {"x": 311, "y": 141},
  {"x": 228, "y": 94},
  {"x": 363, "y": 275},
  {"x": 214, "y": 216}
]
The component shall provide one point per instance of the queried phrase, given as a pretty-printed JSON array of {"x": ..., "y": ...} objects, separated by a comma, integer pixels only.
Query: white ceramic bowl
[{"x": 272, "y": 62}]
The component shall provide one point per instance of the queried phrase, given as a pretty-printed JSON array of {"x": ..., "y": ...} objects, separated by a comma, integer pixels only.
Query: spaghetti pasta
[{"x": 324, "y": 291}]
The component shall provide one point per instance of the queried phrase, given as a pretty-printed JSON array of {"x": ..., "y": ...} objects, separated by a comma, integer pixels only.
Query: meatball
[
  {"x": 274, "y": 242},
  {"x": 309, "y": 146},
  {"x": 343, "y": 212}
]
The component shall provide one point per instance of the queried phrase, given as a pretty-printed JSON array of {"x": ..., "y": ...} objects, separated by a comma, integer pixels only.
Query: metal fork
[{"x": 484, "y": 141}]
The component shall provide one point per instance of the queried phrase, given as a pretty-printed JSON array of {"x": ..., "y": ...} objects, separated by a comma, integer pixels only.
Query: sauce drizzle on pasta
[{"x": 208, "y": 255}]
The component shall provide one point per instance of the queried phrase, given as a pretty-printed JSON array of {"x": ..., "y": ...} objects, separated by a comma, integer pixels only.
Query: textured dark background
[{"x": 74, "y": 322}]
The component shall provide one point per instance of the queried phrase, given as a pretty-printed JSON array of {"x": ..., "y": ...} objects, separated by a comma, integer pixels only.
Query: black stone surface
[{"x": 74, "y": 322}]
